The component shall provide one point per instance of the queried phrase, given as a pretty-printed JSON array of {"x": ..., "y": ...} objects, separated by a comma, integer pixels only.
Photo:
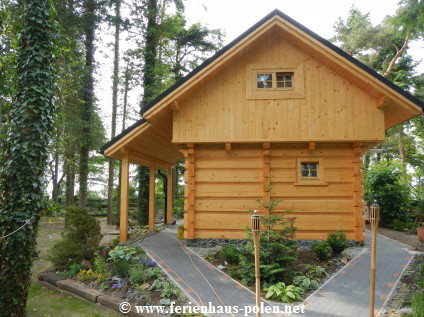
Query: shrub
[
  {"x": 137, "y": 274},
  {"x": 80, "y": 238},
  {"x": 123, "y": 253},
  {"x": 305, "y": 282},
  {"x": 338, "y": 241},
  {"x": 74, "y": 269},
  {"x": 403, "y": 226},
  {"x": 283, "y": 293},
  {"x": 178, "y": 208},
  {"x": 417, "y": 303},
  {"x": 121, "y": 268},
  {"x": 384, "y": 183},
  {"x": 230, "y": 253},
  {"x": 153, "y": 273},
  {"x": 100, "y": 265},
  {"x": 166, "y": 288},
  {"x": 322, "y": 250}
]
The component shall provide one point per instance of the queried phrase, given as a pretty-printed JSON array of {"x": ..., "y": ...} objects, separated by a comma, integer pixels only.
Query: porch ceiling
[{"x": 149, "y": 144}]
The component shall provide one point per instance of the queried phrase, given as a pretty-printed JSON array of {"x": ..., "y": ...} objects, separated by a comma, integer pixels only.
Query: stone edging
[{"x": 62, "y": 284}]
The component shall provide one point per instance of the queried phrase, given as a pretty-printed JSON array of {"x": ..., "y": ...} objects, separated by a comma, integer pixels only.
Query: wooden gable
[
  {"x": 341, "y": 99},
  {"x": 327, "y": 107}
]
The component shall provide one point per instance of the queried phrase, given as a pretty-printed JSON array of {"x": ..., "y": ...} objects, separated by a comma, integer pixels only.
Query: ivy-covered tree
[{"x": 23, "y": 162}]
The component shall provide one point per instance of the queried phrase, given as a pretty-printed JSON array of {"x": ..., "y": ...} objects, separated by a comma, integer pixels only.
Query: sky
[{"x": 236, "y": 16}]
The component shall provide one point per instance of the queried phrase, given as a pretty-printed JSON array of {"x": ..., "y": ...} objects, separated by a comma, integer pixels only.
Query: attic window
[{"x": 274, "y": 80}]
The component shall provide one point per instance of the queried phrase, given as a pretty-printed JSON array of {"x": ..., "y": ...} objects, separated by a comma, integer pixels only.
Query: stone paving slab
[{"x": 169, "y": 254}]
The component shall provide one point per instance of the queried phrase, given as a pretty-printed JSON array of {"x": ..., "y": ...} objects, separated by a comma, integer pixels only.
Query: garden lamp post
[
  {"x": 374, "y": 218},
  {"x": 256, "y": 223}
]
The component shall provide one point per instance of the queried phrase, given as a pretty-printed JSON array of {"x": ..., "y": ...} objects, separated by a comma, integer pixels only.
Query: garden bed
[
  {"x": 411, "y": 284},
  {"x": 308, "y": 271}
]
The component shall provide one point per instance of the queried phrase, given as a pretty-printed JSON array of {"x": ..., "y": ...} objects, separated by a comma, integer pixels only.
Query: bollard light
[
  {"x": 374, "y": 215},
  {"x": 256, "y": 221},
  {"x": 256, "y": 226}
]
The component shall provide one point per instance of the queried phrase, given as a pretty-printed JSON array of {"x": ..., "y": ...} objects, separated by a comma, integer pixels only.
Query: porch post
[
  {"x": 169, "y": 196},
  {"x": 152, "y": 198},
  {"x": 123, "y": 224}
]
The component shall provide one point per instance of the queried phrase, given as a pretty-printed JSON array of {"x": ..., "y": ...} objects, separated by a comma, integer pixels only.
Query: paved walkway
[{"x": 346, "y": 294}]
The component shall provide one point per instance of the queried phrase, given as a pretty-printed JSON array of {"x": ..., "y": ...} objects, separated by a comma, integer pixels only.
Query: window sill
[{"x": 311, "y": 183}]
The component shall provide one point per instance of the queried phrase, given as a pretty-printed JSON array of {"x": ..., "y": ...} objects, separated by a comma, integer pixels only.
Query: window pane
[
  {"x": 264, "y": 80},
  {"x": 309, "y": 170},
  {"x": 268, "y": 84},
  {"x": 284, "y": 80}
]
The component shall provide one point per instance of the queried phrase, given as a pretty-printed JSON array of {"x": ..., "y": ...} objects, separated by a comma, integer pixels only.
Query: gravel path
[{"x": 403, "y": 237}]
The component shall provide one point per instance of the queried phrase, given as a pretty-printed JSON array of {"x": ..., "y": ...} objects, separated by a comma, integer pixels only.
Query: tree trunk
[
  {"x": 398, "y": 54},
  {"x": 24, "y": 159},
  {"x": 124, "y": 119},
  {"x": 88, "y": 99},
  {"x": 402, "y": 150},
  {"x": 69, "y": 170},
  {"x": 150, "y": 81},
  {"x": 114, "y": 107},
  {"x": 55, "y": 177}
]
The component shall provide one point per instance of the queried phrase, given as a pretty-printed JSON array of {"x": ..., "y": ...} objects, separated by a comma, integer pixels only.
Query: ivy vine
[{"x": 23, "y": 161}]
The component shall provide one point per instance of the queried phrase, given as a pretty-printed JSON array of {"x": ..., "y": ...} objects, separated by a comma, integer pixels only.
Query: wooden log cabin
[{"x": 279, "y": 113}]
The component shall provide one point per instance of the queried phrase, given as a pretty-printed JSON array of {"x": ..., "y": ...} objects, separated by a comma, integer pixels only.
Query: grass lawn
[{"x": 45, "y": 303}]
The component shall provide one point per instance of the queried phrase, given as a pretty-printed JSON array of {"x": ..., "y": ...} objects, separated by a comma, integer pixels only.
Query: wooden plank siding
[
  {"x": 333, "y": 108},
  {"x": 228, "y": 183}
]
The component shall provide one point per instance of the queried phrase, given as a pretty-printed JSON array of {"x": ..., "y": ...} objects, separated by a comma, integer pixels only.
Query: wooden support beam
[
  {"x": 169, "y": 196},
  {"x": 358, "y": 194},
  {"x": 123, "y": 223},
  {"x": 141, "y": 157},
  {"x": 266, "y": 173},
  {"x": 228, "y": 147},
  {"x": 152, "y": 198},
  {"x": 190, "y": 191},
  {"x": 175, "y": 106},
  {"x": 311, "y": 146}
]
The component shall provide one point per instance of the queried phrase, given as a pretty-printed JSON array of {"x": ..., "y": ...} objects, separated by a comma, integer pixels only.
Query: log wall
[{"x": 227, "y": 184}]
